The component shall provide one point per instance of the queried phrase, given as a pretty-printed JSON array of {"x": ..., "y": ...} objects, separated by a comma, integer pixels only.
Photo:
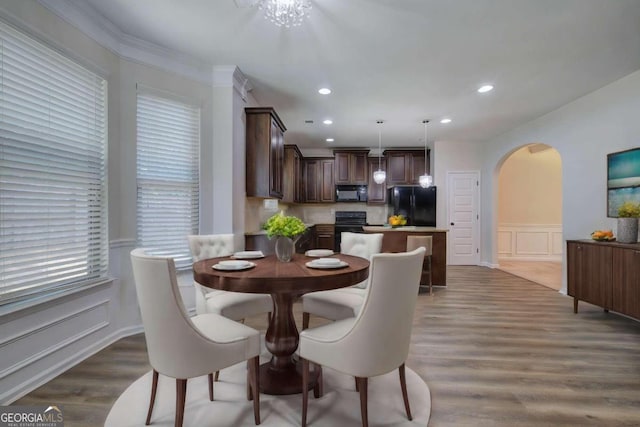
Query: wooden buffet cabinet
[
  {"x": 606, "y": 274},
  {"x": 395, "y": 240}
]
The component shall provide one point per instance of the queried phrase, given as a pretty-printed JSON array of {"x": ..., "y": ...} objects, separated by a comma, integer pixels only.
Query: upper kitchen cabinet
[
  {"x": 292, "y": 184},
  {"x": 319, "y": 186},
  {"x": 376, "y": 193},
  {"x": 350, "y": 166},
  {"x": 404, "y": 167},
  {"x": 265, "y": 153}
]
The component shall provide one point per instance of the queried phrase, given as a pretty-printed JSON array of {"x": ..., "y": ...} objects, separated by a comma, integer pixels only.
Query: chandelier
[
  {"x": 425, "y": 180},
  {"x": 379, "y": 176},
  {"x": 285, "y": 13}
]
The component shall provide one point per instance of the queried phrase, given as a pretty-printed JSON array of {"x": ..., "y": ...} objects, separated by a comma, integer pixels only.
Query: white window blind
[
  {"x": 168, "y": 145},
  {"x": 53, "y": 212}
]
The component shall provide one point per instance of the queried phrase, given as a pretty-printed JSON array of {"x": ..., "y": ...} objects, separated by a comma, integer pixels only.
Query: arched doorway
[{"x": 529, "y": 232}]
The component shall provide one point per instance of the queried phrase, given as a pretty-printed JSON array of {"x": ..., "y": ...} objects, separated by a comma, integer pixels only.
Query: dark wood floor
[{"x": 496, "y": 350}]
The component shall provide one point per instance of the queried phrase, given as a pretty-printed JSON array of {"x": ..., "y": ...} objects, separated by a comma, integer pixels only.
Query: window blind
[
  {"x": 168, "y": 144},
  {"x": 53, "y": 200}
]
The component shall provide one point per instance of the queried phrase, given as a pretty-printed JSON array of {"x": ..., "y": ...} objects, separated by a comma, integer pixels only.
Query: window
[
  {"x": 168, "y": 169},
  {"x": 53, "y": 195}
]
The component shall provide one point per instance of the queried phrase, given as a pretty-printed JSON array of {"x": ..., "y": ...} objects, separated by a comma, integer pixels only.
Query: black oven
[{"x": 351, "y": 221}]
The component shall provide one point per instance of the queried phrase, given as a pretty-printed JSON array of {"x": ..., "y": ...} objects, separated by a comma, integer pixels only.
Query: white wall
[
  {"x": 452, "y": 156},
  {"x": 40, "y": 341},
  {"x": 583, "y": 132}
]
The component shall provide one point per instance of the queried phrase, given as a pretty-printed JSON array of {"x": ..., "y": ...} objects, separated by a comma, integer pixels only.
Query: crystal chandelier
[
  {"x": 285, "y": 13},
  {"x": 379, "y": 176},
  {"x": 425, "y": 180}
]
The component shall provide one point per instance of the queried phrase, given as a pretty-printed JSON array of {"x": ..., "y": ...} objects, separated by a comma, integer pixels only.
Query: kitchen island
[{"x": 395, "y": 240}]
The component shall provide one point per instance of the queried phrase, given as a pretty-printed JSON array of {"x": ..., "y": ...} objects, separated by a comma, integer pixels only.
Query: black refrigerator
[{"x": 415, "y": 203}]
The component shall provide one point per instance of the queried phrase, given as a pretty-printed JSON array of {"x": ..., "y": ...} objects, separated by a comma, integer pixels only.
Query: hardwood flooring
[
  {"x": 547, "y": 273},
  {"x": 495, "y": 349}
]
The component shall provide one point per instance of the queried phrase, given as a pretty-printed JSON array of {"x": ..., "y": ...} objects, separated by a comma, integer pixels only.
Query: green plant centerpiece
[
  {"x": 286, "y": 229},
  {"x": 629, "y": 210},
  {"x": 628, "y": 214}
]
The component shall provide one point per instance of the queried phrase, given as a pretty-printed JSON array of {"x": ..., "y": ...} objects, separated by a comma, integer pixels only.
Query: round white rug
[{"x": 339, "y": 406}]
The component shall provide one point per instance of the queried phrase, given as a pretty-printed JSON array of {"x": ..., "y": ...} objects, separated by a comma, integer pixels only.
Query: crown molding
[
  {"x": 231, "y": 76},
  {"x": 85, "y": 18}
]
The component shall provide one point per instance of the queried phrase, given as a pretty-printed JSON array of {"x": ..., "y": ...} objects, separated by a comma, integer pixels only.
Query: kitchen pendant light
[
  {"x": 425, "y": 180},
  {"x": 379, "y": 176}
]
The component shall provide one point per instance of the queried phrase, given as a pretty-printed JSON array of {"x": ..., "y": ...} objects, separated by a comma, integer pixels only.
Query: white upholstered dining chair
[
  {"x": 182, "y": 347},
  {"x": 343, "y": 303},
  {"x": 376, "y": 341},
  {"x": 234, "y": 305}
]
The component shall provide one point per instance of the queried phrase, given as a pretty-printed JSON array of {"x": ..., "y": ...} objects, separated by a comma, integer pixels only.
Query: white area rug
[{"x": 339, "y": 406}]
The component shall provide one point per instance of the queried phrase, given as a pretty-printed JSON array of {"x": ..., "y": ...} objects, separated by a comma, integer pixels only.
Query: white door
[{"x": 463, "y": 190}]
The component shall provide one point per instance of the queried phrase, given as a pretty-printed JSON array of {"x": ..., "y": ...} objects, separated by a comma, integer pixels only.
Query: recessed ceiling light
[
  {"x": 324, "y": 91},
  {"x": 329, "y": 139},
  {"x": 328, "y": 122},
  {"x": 445, "y": 121},
  {"x": 485, "y": 88}
]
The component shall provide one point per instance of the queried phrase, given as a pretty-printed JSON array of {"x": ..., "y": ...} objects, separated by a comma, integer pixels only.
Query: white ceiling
[{"x": 402, "y": 60}]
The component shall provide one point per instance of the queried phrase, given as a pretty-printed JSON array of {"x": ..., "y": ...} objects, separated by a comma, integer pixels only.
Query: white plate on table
[
  {"x": 319, "y": 253},
  {"x": 233, "y": 265},
  {"x": 322, "y": 266},
  {"x": 248, "y": 255}
]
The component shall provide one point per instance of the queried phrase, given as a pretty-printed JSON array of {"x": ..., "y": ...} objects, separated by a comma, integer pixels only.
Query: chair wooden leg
[
  {"x": 154, "y": 388},
  {"x": 405, "y": 396},
  {"x": 249, "y": 379},
  {"x": 268, "y": 318},
  {"x": 363, "y": 401},
  {"x": 430, "y": 281},
  {"x": 217, "y": 375},
  {"x": 210, "y": 376},
  {"x": 254, "y": 377},
  {"x": 305, "y": 320},
  {"x": 305, "y": 390},
  {"x": 318, "y": 389},
  {"x": 181, "y": 396},
  {"x": 357, "y": 383}
]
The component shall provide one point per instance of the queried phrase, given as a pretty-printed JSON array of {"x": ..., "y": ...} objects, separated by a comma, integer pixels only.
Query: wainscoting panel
[{"x": 530, "y": 242}]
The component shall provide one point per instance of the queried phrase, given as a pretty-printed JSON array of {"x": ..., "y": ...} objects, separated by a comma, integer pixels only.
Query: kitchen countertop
[
  {"x": 261, "y": 232},
  {"x": 410, "y": 228}
]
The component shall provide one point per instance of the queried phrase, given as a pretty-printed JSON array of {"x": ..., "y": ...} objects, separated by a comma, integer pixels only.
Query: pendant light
[
  {"x": 379, "y": 176},
  {"x": 425, "y": 180}
]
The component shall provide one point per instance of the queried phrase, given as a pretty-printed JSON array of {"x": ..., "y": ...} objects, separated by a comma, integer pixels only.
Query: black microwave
[{"x": 351, "y": 193}]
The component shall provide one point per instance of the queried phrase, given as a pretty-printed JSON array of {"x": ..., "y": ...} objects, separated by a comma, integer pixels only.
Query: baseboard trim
[
  {"x": 488, "y": 264},
  {"x": 50, "y": 373}
]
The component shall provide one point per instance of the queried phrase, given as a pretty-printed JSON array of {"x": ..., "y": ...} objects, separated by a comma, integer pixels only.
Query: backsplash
[{"x": 311, "y": 213}]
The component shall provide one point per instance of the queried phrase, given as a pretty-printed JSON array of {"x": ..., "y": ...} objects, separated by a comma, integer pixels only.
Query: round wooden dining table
[{"x": 285, "y": 281}]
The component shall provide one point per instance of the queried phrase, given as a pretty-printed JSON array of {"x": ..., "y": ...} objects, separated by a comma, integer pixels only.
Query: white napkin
[
  {"x": 327, "y": 261},
  {"x": 319, "y": 252},
  {"x": 234, "y": 263},
  {"x": 248, "y": 254}
]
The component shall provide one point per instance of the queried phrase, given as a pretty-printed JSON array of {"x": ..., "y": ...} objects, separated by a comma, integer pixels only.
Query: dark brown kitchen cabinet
[
  {"x": 404, "y": 167},
  {"x": 264, "y": 152},
  {"x": 606, "y": 274},
  {"x": 325, "y": 236},
  {"x": 376, "y": 193},
  {"x": 318, "y": 178},
  {"x": 292, "y": 174},
  {"x": 350, "y": 166}
]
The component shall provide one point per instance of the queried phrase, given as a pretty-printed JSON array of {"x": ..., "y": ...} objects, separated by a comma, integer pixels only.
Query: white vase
[{"x": 627, "y": 230}]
